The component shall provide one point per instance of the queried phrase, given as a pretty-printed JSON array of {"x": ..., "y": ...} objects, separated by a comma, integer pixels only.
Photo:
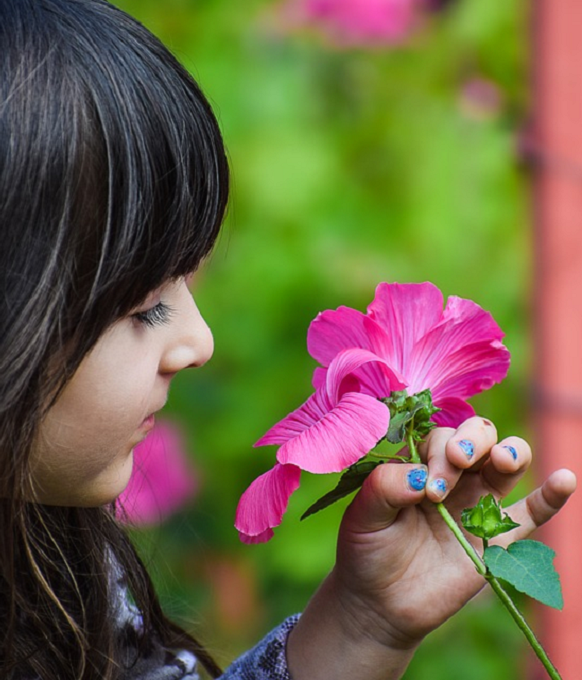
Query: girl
[{"x": 113, "y": 184}]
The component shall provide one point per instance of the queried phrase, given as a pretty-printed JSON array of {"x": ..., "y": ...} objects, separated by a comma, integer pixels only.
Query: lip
[{"x": 148, "y": 423}]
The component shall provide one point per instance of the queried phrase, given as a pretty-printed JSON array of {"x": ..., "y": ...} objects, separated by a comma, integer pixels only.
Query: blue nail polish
[
  {"x": 468, "y": 448},
  {"x": 417, "y": 479},
  {"x": 439, "y": 486},
  {"x": 511, "y": 450}
]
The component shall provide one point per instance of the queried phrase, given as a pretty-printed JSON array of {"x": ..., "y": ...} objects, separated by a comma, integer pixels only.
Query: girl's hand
[{"x": 400, "y": 572}]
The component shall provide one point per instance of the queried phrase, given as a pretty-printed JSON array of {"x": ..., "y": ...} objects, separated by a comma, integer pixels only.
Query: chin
[
  {"x": 108, "y": 486},
  {"x": 122, "y": 477}
]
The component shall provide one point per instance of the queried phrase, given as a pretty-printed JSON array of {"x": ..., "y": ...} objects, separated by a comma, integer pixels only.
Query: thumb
[{"x": 388, "y": 489}]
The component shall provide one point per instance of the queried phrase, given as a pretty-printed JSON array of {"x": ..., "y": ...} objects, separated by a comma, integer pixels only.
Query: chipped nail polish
[
  {"x": 468, "y": 448},
  {"x": 438, "y": 486},
  {"x": 417, "y": 479},
  {"x": 511, "y": 450}
]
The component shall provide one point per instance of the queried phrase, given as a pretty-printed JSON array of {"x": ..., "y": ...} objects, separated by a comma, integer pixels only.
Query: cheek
[
  {"x": 78, "y": 468},
  {"x": 83, "y": 451}
]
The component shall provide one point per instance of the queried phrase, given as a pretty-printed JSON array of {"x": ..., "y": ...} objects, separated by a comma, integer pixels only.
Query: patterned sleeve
[{"x": 267, "y": 660}]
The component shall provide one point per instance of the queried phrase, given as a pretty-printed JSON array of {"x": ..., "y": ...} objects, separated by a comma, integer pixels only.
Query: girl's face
[{"x": 83, "y": 453}]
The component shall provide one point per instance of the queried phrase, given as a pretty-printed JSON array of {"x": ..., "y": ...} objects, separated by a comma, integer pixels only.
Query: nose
[{"x": 190, "y": 344}]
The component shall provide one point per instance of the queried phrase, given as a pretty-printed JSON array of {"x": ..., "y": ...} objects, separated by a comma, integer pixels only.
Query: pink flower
[
  {"x": 455, "y": 352},
  {"x": 359, "y": 22},
  {"x": 162, "y": 481},
  {"x": 404, "y": 341}
]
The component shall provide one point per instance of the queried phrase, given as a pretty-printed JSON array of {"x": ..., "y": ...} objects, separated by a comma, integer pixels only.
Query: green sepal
[
  {"x": 528, "y": 567},
  {"x": 410, "y": 412},
  {"x": 486, "y": 520},
  {"x": 351, "y": 480}
]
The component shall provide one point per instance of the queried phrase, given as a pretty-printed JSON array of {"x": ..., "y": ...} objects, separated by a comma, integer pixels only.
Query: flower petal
[
  {"x": 462, "y": 355},
  {"x": 299, "y": 420},
  {"x": 335, "y": 330},
  {"x": 263, "y": 537},
  {"x": 346, "y": 364},
  {"x": 318, "y": 379},
  {"x": 341, "y": 437},
  {"x": 340, "y": 378},
  {"x": 406, "y": 312},
  {"x": 472, "y": 369},
  {"x": 454, "y": 412},
  {"x": 263, "y": 504},
  {"x": 483, "y": 325}
]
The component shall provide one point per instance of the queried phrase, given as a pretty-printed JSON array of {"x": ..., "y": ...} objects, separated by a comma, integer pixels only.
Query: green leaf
[
  {"x": 485, "y": 519},
  {"x": 397, "y": 427},
  {"x": 350, "y": 481},
  {"x": 409, "y": 412},
  {"x": 528, "y": 567}
]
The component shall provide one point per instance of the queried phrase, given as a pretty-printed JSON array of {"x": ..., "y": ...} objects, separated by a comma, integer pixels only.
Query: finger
[
  {"x": 508, "y": 462},
  {"x": 442, "y": 474},
  {"x": 471, "y": 442},
  {"x": 540, "y": 506},
  {"x": 387, "y": 490}
]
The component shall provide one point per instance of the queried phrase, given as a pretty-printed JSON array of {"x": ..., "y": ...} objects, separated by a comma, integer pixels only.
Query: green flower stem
[
  {"x": 526, "y": 630},
  {"x": 414, "y": 457},
  {"x": 499, "y": 591},
  {"x": 487, "y": 575},
  {"x": 460, "y": 536}
]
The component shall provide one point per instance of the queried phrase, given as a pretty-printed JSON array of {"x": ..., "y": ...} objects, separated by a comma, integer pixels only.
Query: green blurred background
[{"x": 350, "y": 167}]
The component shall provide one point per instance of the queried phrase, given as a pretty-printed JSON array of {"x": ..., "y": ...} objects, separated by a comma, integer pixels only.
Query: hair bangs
[{"x": 154, "y": 185}]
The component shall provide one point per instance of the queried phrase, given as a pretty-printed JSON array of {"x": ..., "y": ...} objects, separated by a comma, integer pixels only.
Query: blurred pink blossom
[
  {"x": 163, "y": 480},
  {"x": 480, "y": 98},
  {"x": 356, "y": 22}
]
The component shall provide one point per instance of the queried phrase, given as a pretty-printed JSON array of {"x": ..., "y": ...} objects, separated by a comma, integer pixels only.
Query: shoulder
[{"x": 267, "y": 660}]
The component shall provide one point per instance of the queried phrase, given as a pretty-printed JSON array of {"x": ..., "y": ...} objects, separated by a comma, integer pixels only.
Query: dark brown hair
[{"x": 113, "y": 179}]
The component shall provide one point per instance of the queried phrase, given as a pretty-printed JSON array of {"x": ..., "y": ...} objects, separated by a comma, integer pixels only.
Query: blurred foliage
[{"x": 349, "y": 168}]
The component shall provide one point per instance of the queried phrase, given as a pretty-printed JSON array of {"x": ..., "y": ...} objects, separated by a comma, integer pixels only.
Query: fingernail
[
  {"x": 438, "y": 487},
  {"x": 468, "y": 448},
  {"x": 417, "y": 479},
  {"x": 511, "y": 450}
]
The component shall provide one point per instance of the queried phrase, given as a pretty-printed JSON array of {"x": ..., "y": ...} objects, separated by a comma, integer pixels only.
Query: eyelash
[{"x": 154, "y": 316}]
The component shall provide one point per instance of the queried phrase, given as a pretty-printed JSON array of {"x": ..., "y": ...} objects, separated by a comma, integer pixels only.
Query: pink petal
[
  {"x": 471, "y": 370},
  {"x": 263, "y": 537},
  {"x": 263, "y": 504},
  {"x": 163, "y": 480},
  {"x": 304, "y": 417},
  {"x": 335, "y": 330},
  {"x": 460, "y": 356},
  {"x": 483, "y": 324},
  {"x": 341, "y": 437},
  {"x": 405, "y": 312},
  {"x": 346, "y": 364},
  {"x": 318, "y": 379},
  {"x": 338, "y": 379},
  {"x": 349, "y": 384},
  {"x": 454, "y": 412}
]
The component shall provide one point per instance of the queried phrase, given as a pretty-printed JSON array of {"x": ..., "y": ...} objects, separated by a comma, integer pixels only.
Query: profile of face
[{"x": 83, "y": 452}]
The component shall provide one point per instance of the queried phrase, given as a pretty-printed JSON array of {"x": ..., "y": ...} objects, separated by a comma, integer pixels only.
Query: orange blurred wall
[{"x": 557, "y": 367}]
